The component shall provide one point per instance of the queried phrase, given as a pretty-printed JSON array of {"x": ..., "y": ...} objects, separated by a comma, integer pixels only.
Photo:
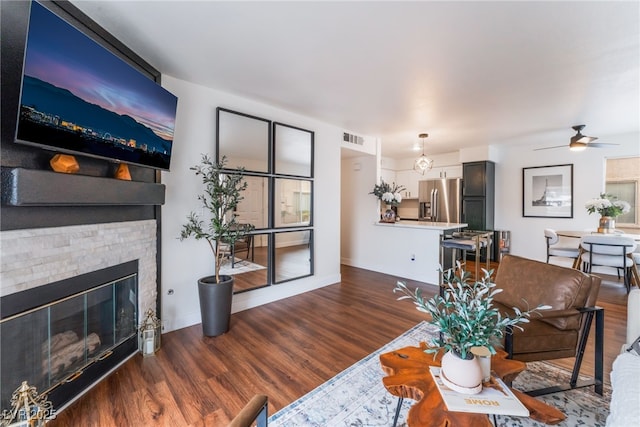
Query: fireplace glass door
[{"x": 53, "y": 344}]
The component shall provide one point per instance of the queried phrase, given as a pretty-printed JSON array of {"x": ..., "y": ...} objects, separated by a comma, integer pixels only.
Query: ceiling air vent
[{"x": 353, "y": 139}]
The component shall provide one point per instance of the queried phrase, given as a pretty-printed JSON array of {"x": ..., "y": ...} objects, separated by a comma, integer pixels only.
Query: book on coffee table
[{"x": 495, "y": 398}]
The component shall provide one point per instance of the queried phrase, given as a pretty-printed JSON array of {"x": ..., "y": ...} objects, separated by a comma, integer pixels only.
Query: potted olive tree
[
  {"x": 222, "y": 193},
  {"x": 465, "y": 317}
]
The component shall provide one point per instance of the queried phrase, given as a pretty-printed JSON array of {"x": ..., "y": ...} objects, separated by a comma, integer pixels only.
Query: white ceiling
[{"x": 467, "y": 73}]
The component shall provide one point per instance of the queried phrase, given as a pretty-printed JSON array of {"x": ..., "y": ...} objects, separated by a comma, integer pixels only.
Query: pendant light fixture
[{"x": 423, "y": 163}]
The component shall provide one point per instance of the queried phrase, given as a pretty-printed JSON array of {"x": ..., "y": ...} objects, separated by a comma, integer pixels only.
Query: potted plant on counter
[
  {"x": 390, "y": 195},
  {"x": 222, "y": 193},
  {"x": 465, "y": 317}
]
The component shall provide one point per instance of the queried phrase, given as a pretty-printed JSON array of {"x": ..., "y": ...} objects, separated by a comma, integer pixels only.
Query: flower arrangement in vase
[
  {"x": 390, "y": 195},
  {"x": 465, "y": 317},
  {"x": 609, "y": 207}
]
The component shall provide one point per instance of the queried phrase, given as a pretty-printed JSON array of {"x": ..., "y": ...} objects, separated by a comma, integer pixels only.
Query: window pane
[{"x": 624, "y": 191}]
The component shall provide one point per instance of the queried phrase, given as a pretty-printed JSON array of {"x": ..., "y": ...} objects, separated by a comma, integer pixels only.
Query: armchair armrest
[
  {"x": 588, "y": 309},
  {"x": 564, "y": 319},
  {"x": 254, "y": 411},
  {"x": 551, "y": 314}
]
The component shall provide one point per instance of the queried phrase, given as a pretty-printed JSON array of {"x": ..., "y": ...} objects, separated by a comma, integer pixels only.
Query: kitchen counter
[
  {"x": 410, "y": 249},
  {"x": 441, "y": 226}
]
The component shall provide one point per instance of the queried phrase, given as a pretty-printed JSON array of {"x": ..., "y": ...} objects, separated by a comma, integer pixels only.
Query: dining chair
[
  {"x": 635, "y": 270},
  {"x": 558, "y": 248},
  {"x": 609, "y": 251}
]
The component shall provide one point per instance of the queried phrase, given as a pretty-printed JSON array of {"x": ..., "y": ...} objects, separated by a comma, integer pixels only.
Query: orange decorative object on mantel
[
  {"x": 408, "y": 376},
  {"x": 64, "y": 163},
  {"x": 123, "y": 172}
]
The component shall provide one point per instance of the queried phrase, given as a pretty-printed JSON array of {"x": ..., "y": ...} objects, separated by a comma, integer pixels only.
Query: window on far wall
[
  {"x": 626, "y": 191},
  {"x": 623, "y": 181}
]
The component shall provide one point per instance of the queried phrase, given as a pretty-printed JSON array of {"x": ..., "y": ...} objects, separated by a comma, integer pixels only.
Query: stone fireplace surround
[{"x": 36, "y": 257}]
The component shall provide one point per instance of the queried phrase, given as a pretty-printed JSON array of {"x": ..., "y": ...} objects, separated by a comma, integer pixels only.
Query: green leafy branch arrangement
[
  {"x": 222, "y": 193},
  {"x": 465, "y": 315}
]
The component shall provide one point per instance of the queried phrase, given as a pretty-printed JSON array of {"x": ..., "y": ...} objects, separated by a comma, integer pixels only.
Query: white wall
[
  {"x": 588, "y": 182},
  {"x": 369, "y": 144},
  {"x": 183, "y": 263},
  {"x": 359, "y": 208},
  {"x": 446, "y": 159}
]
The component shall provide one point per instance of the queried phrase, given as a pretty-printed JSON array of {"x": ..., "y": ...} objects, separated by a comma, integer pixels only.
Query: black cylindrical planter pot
[{"x": 215, "y": 304}]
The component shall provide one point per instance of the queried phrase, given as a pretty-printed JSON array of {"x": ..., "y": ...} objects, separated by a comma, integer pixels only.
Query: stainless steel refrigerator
[{"x": 440, "y": 200}]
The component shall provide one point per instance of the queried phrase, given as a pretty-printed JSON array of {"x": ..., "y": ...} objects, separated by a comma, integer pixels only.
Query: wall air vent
[{"x": 353, "y": 139}]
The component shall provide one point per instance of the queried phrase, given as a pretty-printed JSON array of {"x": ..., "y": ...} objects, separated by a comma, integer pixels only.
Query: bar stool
[{"x": 470, "y": 241}]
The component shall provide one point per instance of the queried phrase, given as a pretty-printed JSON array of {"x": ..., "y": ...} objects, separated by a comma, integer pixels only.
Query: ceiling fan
[{"x": 579, "y": 141}]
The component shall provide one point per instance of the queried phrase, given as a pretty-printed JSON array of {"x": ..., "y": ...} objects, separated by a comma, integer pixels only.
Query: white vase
[
  {"x": 461, "y": 375},
  {"x": 483, "y": 354}
]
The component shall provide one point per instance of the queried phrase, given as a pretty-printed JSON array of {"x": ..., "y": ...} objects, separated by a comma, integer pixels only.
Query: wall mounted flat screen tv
[{"x": 78, "y": 97}]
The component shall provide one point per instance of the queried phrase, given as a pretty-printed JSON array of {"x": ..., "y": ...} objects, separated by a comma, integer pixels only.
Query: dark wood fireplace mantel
[{"x": 29, "y": 187}]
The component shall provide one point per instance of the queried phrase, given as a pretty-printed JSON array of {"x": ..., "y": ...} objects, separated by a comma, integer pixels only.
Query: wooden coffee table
[{"x": 408, "y": 376}]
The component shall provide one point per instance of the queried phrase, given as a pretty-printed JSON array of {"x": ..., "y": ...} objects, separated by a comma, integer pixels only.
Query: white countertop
[{"x": 442, "y": 226}]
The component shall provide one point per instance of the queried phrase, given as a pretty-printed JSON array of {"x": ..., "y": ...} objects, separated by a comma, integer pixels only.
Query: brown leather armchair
[{"x": 559, "y": 332}]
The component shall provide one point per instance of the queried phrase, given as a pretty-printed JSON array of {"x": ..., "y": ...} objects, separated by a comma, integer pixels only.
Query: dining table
[{"x": 579, "y": 234}]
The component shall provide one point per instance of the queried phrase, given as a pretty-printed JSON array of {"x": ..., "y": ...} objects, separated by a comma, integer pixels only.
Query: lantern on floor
[
  {"x": 28, "y": 409},
  {"x": 149, "y": 334}
]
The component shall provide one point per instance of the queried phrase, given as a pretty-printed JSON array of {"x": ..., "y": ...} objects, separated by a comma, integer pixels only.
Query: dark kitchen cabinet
[
  {"x": 478, "y": 196},
  {"x": 476, "y": 213},
  {"x": 479, "y": 179}
]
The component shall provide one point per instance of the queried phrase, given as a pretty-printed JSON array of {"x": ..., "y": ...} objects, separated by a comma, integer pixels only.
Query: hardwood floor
[{"x": 283, "y": 349}]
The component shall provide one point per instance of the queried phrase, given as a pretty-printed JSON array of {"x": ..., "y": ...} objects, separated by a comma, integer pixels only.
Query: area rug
[
  {"x": 356, "y": 397},
  {"x": 239, "y": 266}
]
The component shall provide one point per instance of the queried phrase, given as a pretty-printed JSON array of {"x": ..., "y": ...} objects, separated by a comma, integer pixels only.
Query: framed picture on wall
[{"x": 547, "y": 191}]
